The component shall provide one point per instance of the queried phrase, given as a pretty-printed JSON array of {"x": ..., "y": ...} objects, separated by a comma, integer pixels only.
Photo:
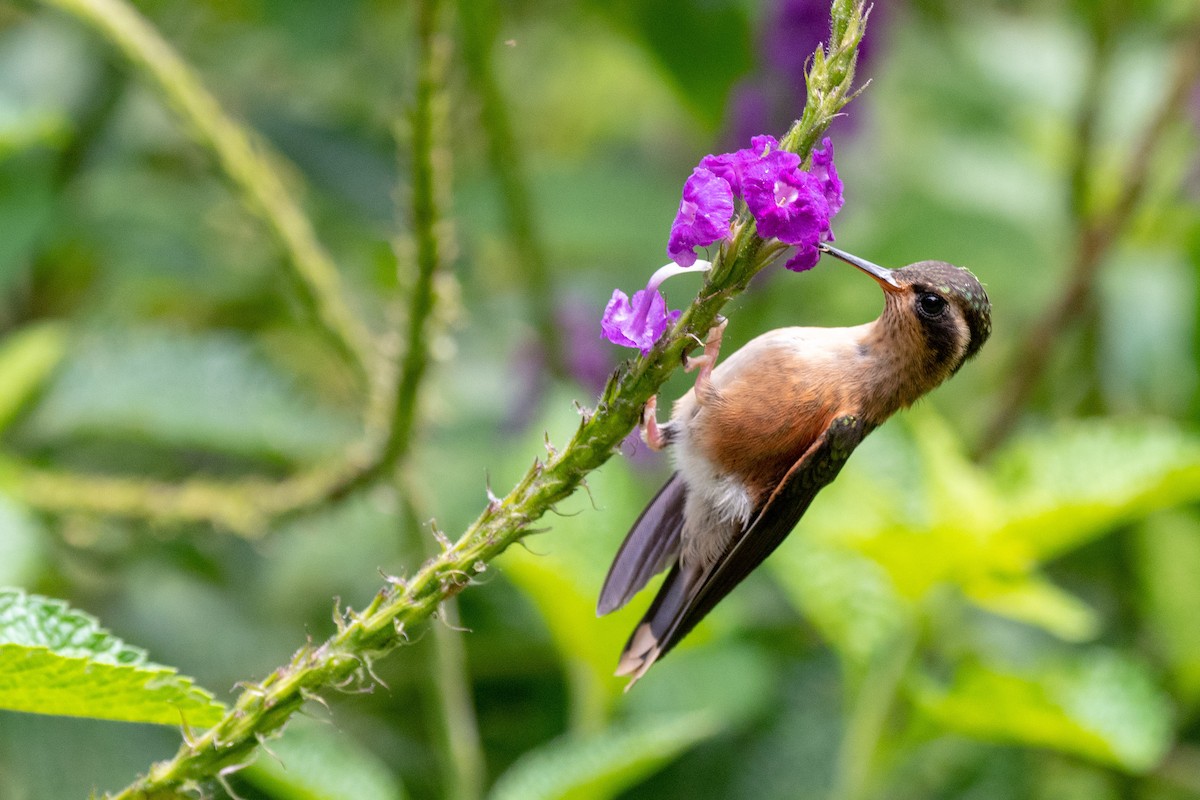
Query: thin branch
[
  {"x": 248, "y": 164},
  {"x": 460, "y": 750},
  {"x": 246, "y": 507},
  {"x": 264, "y": 708},
  {"x": 427, "y": 184},
  {"x": 1095, "y": 238}
]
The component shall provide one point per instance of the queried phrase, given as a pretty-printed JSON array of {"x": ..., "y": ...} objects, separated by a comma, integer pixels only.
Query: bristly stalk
[
  {"x": 447, "y": 680},
  {"x": 262, "y": 709}
]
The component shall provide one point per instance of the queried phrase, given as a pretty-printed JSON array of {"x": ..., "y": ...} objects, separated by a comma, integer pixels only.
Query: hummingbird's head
[{"x": 947, "y": 303}]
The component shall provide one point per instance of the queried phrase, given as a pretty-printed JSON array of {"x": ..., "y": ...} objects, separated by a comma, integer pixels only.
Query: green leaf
[
  {"x": 924, "y": 517},
  {"x": 1034, "y": 600},
  {"x": 1101, "y": 705},
  {"x": 603, "y": 765},
  {"x": 27, "y": 359},
  {"x": 211, "y": 392},
  {"x": 55, "y": 660},
  {"x": 1069, "y": 485},
  {"x": 315, "y": 761}
]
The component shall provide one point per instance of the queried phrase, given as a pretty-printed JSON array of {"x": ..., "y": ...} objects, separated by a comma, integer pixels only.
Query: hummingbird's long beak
[{"x": 881, "y": 274}]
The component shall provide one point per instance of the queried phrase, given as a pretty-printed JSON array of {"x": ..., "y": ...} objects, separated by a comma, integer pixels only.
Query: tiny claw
[{"x": 652, "y": 434}]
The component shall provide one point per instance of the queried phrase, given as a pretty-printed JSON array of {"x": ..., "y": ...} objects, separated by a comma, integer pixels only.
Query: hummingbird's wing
[
  {"x": 649, "y": 547},
  {"x": 684, "y": 600}
]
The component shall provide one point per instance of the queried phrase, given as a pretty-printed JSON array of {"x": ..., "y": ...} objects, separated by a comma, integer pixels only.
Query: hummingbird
[{"x": 757, "y": 437}]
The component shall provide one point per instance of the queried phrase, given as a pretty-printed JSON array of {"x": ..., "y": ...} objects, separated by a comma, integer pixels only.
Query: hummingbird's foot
[
  {"x": 654, "y": 436},
  {"x": 707, "y": 361}
]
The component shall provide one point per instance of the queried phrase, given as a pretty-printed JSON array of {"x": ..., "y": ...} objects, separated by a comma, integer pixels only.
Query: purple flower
[
  {"x": 638, "y": 322},
  {"x": 703, "y": 216},
  {"x": 787, "y": 203},
  {"x": 641, "y": 321},
  {"x": 824, "y": 171},
  {"x": 805, "y": 258},
  {"x": 732, "y": 166}
]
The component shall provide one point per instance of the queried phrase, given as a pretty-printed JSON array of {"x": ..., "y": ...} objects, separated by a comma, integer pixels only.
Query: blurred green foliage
[{"x": 939, "y": 626}]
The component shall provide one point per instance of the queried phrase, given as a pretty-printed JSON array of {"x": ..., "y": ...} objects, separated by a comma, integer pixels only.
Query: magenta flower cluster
[{"x": 788, "y": 203}]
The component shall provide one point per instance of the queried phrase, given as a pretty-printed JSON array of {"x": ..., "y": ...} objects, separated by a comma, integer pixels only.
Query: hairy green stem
[
  {"x": 425, "y": 216},
  {"x": 448, "y": 683},
  {"x": 262, "y": 709},
  {"x": 247, "y": 163}
]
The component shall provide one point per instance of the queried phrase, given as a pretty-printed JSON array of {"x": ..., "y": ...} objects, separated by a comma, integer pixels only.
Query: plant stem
[
  {"x": 460, "y": 750},
  {"x": 247, "y": 163}
]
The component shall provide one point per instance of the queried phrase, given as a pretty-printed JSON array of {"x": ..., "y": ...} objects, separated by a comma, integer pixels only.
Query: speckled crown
[{"x": 963, "y": 289}]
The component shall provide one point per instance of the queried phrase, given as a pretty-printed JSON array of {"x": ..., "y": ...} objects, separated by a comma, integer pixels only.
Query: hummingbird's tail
[{"x": 657, "y": 632}]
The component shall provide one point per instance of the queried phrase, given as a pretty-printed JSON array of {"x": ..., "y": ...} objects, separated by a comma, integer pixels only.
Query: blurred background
[{"x": 998, "y": 598}]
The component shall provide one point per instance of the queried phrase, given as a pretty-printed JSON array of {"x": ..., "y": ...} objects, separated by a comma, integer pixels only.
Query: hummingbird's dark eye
[{"x": 930, "y": 304}]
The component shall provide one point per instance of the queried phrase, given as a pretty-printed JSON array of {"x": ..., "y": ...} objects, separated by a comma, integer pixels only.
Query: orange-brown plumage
[
  {"x": 762, "y": 415},
  {"x": 761, "y": 433}
]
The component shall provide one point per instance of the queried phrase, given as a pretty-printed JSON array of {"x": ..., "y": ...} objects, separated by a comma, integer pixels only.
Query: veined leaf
[
  {"x": 56, "y": 660},
  {"x": 603, "y": 765},
  {"x": 1102, "y": 706}
]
